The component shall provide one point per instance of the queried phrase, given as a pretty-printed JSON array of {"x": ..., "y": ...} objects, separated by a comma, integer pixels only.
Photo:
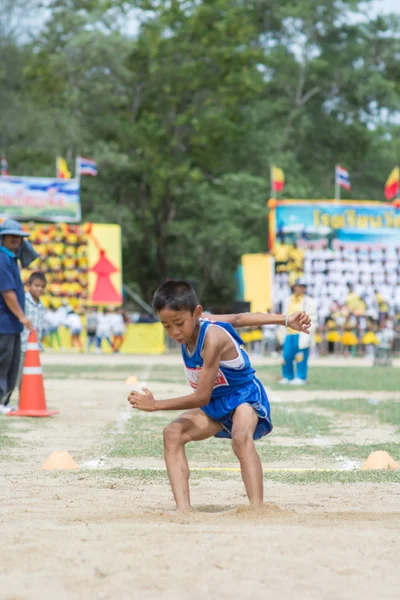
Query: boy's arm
[
  {"x": 213, "y": 347},
  {"x": 299, "y": 321},
  {"x": 248, "y": 319}
]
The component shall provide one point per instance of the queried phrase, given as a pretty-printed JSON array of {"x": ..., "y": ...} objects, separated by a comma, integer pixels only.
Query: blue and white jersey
[
  {"x": 229, "y": 378},
  {"x": 234, "y": 385}
]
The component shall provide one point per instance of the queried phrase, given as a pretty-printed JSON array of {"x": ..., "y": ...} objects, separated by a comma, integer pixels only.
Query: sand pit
[{"x": 93, "y": 534}]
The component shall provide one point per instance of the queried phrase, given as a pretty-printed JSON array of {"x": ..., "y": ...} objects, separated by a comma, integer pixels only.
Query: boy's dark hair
[
  {"x": 176, "y": 295},
  {"x": 37, "y": 275}
]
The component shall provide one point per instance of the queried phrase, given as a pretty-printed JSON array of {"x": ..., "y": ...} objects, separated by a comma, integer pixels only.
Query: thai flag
[
  {"x": 342, "y": 178},
  {"x": 86, "y": 166},
  {"x": 4, "y": 166}
]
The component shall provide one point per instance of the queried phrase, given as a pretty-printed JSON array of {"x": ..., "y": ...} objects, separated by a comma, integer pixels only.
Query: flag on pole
[
  {"x": 277, "y": 179},
  {"x": 4, "y": 166},
  {"x": 342, "y": 178},
  {"x": 392, "y": 184},
  {"x": 62, "y": 168},
  {"x": 85, "y": 166}
]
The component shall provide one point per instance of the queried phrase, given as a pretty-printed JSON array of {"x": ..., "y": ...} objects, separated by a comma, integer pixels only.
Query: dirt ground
[{"x": 79, "y": 535}]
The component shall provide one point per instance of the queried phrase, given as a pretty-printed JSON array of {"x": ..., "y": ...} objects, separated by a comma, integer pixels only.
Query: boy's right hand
[{"x": 299, "y": 321}]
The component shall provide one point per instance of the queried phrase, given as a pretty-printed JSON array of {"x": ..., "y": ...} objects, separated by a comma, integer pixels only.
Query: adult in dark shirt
[{"x": 12, "y": 305}]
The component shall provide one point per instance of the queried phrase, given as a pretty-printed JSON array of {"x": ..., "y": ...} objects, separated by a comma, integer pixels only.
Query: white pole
[
  {"x": 78, "y": 178},
  {"x": 77, "y": 171},
  {"x": 271, "y": 170},
  {"x": 337, "y": 186},
  {"x": 398, "y": 190}
]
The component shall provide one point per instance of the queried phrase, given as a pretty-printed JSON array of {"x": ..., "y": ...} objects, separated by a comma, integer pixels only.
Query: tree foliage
[{"x": 186, "y": 108}]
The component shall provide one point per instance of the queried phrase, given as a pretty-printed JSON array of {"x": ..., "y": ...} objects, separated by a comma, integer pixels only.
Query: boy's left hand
[
  {"x": 143, "y": 402},
  {"x": 300, "y": 321}
]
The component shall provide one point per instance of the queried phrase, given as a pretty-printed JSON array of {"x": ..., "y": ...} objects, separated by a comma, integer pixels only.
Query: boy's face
[
  {"x": 180, "y": 325},
  {"x": 37, "y": 288}
]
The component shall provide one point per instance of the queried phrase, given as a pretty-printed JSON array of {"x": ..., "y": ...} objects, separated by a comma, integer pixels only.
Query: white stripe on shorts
[
  {"x": 32, "y": 346},
  {"x": 32, "y": 371}
]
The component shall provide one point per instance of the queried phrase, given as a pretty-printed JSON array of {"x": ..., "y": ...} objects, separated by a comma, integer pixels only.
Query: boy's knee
[
  {"x": 173, "y": 434},
  {"x": 241, "y": 439}
]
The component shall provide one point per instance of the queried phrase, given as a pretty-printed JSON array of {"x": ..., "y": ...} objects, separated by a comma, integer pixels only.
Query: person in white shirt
[
  {"x": 269, "y": 339},
  {"x": 117, "y": 329},
  {"x": 52, "y": 322},
  {"x": 74, "y": 323},
  {"x": 104, "y": 329},
  {"x": 296, "y": 347},
  {"x": 62, "y": 313}
]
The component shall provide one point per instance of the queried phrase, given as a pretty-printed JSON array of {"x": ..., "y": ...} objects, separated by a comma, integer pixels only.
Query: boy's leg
[
  {"x": 192, "y": 426},
  {"x": 245, "y": 421}
]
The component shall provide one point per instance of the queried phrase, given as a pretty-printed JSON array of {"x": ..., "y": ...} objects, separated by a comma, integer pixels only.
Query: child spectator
[
  {"x": 117, "y": 329},
  {"x": 386, "y": 337},
  {"x": 52, "y": 323},
  {"x": 35, "y": 312},
  {"x": 269, "y": 339},
  {"x": 92, "y": 319},
  {"x": 103, "y": 330},
  {"x": 349, "y": 338},
  {"x": 370, "y": 340},
  {"x": 332, "y": 336},
  {"x": 74, "y": 323}
]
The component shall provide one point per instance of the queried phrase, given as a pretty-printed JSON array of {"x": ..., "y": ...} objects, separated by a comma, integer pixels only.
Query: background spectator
[
  {"x": 104, "y": 329},
  {"x": 296, "y": 346},
  {"x": 12, "y": 304},
  {"x": 91, "y": 326},
  {"x": 117, "y": 329},
  {"x": 35, "y": 312},
  {"x": 74, "y": 323}
]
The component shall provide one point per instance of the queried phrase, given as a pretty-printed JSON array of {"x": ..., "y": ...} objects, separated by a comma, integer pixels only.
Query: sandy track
[{"x": 80, "y": 535}]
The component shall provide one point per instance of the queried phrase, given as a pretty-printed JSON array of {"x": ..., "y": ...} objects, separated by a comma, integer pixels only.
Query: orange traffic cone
[{"x": 32, "y": 402}]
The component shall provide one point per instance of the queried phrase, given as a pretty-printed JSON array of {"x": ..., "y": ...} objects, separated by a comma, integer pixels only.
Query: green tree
[{"x": 185, "y": 117}]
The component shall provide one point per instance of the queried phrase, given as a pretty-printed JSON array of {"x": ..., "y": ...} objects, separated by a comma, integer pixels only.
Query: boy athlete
[{"x": 228, "y": 400}]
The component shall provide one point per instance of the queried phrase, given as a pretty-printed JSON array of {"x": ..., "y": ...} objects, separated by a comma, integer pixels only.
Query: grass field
[
  {"x": 106, "y": 530},
  {"x": 321, "y": 378}
]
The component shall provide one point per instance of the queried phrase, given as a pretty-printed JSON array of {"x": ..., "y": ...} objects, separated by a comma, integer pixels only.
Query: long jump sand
[{"x": 83, "y": 535}]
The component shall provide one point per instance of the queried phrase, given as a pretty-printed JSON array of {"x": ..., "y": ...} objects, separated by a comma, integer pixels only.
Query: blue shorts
[{"x": 221, "y": 409}]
